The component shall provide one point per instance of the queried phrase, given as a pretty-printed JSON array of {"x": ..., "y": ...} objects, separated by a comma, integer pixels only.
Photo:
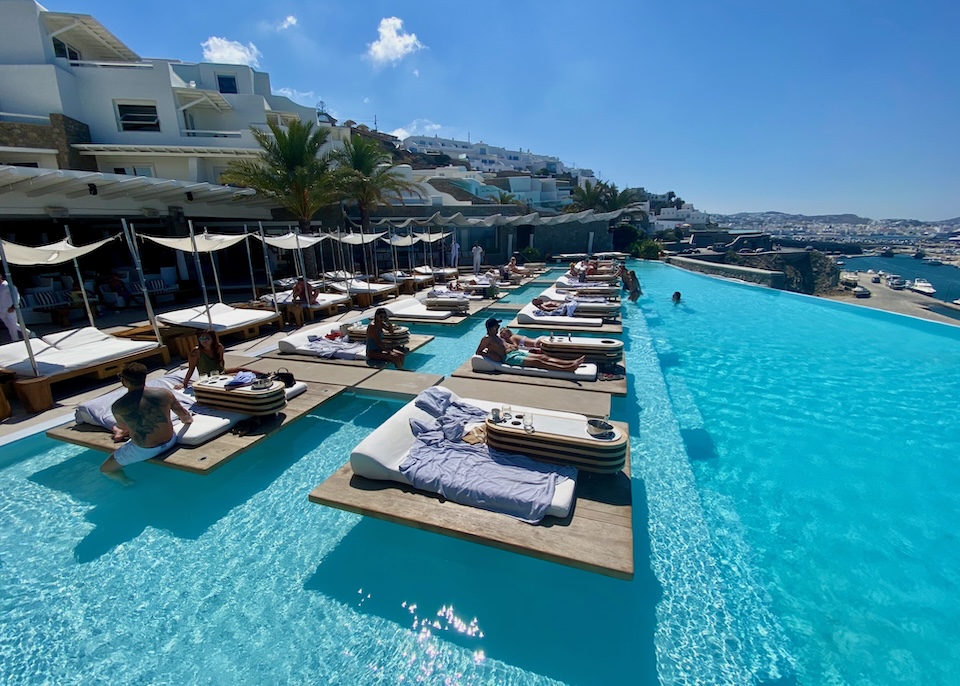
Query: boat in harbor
[
  {"x": 932, "y": 261},
  {"x": 922, "y": 286}
]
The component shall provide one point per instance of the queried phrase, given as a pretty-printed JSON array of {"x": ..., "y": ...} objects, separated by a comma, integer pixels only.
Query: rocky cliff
[{"x": 812, "y": 272}]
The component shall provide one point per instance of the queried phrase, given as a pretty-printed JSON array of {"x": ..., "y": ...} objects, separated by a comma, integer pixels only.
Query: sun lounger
[
  {"x": 586, "y": 371},
  {"x": 225, "y": 319},
  {"x": 363, "y": 292},
  {"x": 528, "y": 315},
  {"x": 323, "y": 300},
  {"x": 380, "y": 455},
  {"x": 411, "y": 308},
  {"x": 303, "y": 342},
  {"x": 587, "y": 306}
]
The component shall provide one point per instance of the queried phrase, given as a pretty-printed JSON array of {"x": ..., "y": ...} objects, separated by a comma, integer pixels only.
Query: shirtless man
[
  {"x": 494, "y": 348},
  {"x": 143, "y": 416},
  {"x": 304, "y": 292}
]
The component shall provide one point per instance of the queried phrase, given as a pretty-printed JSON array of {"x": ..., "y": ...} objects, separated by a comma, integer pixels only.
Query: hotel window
[
  {"x": 61, "y": 49},
  {"x": 137, "y": 117},
  {"x": 227, "y": 83},
  {"x": 134, "y": 171}
]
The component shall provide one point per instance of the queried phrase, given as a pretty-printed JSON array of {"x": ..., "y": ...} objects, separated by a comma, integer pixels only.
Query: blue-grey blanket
[
  {"x": 565, "y": 310},
  {"x": 439, "y": 462}
]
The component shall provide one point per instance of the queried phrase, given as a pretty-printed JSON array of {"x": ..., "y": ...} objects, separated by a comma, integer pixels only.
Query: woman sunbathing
[
  {"x": 519, "y": 340},
  {"x": 513, "y": 268},
  {"x": 206, "y": 358}
]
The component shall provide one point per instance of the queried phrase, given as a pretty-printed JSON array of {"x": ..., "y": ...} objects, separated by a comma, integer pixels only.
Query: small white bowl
[{"x": 598, "y": 427}]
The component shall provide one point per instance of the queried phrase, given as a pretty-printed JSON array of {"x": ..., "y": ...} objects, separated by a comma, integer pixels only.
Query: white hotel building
[
  {"x": 484, "y": 157},
  {"x": 88, "y": 128}
]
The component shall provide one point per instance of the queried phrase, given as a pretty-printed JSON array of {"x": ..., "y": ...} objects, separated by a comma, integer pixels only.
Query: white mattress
[
  {"x": 68, "y": 350},
  {"x": 357, "y": 287},
  {"x": 609, "y": 309},
  {"x": 411, "y": 308},
  {"x": 380, "y": 454},
  {"x": 296, "y": 342},
  {"x": 323, "y": 299},
  {"x": 586, "y": 372},
  {"x": 566, "y": 283},
  {"x": 223, "y": 317},
  {"x": 527, "y": 316}
]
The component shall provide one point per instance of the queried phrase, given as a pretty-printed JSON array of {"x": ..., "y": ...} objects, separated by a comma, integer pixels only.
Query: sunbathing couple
[{"x": 494, "y": 347}]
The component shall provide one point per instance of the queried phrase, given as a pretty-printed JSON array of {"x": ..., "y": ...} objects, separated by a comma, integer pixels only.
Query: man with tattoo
[{"x": 143, "y": 416}]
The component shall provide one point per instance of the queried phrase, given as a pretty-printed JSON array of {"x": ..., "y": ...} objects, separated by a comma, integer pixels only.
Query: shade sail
[
  {"x": 291, "y": 241},
  {"x": 206, "y": 242},
  {"x": 434, "y": 237},
  {"x": 357, "y": 238},
  {"x": 532, "y": 219},
  {"x": 54, "y": 253},
  {"x": 402, "y": 241}
]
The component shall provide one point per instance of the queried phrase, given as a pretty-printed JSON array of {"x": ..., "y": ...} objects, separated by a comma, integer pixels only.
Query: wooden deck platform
[
  {"x": 613, "y": 387},
  {"x": 203, "y": 459},
  {"x": 401, "y": 385},
  {"x": 597, "y": 536},
  {"x": 500, "y": 390}
]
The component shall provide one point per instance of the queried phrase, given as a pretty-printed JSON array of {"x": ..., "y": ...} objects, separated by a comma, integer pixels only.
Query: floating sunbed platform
[
  {"x": 609, "y": 326},
  {"x": 597, "y": 535},
  {"x": 617, "y": 387},
  {"x": 203, "y": 459}
]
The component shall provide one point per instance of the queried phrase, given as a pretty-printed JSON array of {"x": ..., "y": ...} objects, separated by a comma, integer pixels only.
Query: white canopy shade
[
  {"x": 434, "y": 237},
  {"x": 357, "y": 238},
  {"x": 532, "y": 219},
  {"x": 292, "y": 241},
  {"x": 206, "y": 242},
  {"x": 402, "y": 241},
  {"x": 54, "y": 253}
]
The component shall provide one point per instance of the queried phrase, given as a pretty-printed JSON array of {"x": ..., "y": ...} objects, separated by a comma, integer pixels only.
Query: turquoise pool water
[{"x": 795, "y": 491}]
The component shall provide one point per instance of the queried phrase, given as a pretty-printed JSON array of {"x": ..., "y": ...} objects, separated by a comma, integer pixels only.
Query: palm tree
[
  {"x": 590, "y": 196},
  {"x": 366, "y": 177},
  {"x": 616, "y": 199},
  {"x": 504, "y": 198},
  {"x": 291, "y": 171}
]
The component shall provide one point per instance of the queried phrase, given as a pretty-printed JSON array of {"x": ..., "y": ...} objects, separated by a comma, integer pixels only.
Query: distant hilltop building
[{"x": 484, "y": 157}]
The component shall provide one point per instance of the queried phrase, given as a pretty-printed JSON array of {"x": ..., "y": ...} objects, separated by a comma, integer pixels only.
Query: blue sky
[{"x": 811, "y": 107}]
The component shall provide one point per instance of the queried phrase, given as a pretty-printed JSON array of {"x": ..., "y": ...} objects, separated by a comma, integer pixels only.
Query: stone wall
[
  {"x": 765, "y": 277},
  {"x": 60, "y": 135},
  {"x": 572, "y": 237}
]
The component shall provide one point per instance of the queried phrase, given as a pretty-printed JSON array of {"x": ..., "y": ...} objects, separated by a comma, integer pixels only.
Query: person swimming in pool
[
  {"x": 495, "y": 348},
  {"x": 676, "y": 297},
  {"x": 143, "y": 417},
  {"x": 376, "y": 348}
]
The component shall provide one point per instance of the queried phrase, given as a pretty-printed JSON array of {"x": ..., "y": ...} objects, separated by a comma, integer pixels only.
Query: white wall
[{"x": 21, "y": 39}]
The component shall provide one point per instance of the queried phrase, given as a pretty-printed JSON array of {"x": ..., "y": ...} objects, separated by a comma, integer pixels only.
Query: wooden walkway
[
  {"x": 203, "y": 459},
  {"x": 597, "y": 536}
]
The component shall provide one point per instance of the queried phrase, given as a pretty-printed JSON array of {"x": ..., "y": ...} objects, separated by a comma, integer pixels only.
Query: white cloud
[
  {"x": 366, "y": 101},
  {"x": 421, "y": 127},
  {"x": 416, "y": 72},
  {"x": 305, "y": 98},
  {"x": 223, "y": 51},
  {"x": 287, "y": 23},
  {"x": 392, "y": 45}
]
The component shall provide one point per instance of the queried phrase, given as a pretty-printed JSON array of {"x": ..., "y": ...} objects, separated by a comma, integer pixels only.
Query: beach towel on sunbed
[
  {"x": 339, "y": 349},
  {"x": 565, "y": 310},
  {"x": 472, "y": 474}
]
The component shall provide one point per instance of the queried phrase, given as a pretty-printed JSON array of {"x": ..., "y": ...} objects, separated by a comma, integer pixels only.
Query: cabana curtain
[{"x": 205, "y": 242}]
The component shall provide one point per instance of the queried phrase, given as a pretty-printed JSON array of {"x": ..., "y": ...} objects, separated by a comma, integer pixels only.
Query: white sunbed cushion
[
  {"x": 356, "y": 287},
  {"x": 299, "y": 338},
  {"x": 76, "y": 337},
  {"x": 527, "y": 316},
  {"x": 380, "y": 454},
  {"x": 223, "y": 317},
  {"x": 586, "y": 371},
  {"x": 12, "y": 354},
  {"x": 411, "y": 308}
]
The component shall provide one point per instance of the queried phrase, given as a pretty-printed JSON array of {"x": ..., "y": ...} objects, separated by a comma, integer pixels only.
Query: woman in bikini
[{"x": 376, "y": 348}]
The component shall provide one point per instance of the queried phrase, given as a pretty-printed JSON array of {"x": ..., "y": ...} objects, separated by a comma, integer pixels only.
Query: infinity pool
[{"x": 795, "y": 494}]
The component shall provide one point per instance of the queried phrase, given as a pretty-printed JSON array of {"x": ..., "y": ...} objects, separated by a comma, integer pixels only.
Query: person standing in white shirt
[
  {"x": 8, "y": 311},
  {"x": 454, "y": 253},
  {"x": 477, "y": 253}
]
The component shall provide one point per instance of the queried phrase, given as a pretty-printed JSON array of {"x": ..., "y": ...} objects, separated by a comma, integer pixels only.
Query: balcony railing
[
  {"x": 203, "y": 133},
  {"x": 30, "y": 118},
  {"x": 100, "y": 64}
]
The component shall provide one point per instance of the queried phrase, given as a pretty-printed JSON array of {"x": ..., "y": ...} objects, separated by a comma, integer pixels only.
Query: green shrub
[
  {"x": 531, "y": 253},
  {"x": 646, "y": 250}
]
